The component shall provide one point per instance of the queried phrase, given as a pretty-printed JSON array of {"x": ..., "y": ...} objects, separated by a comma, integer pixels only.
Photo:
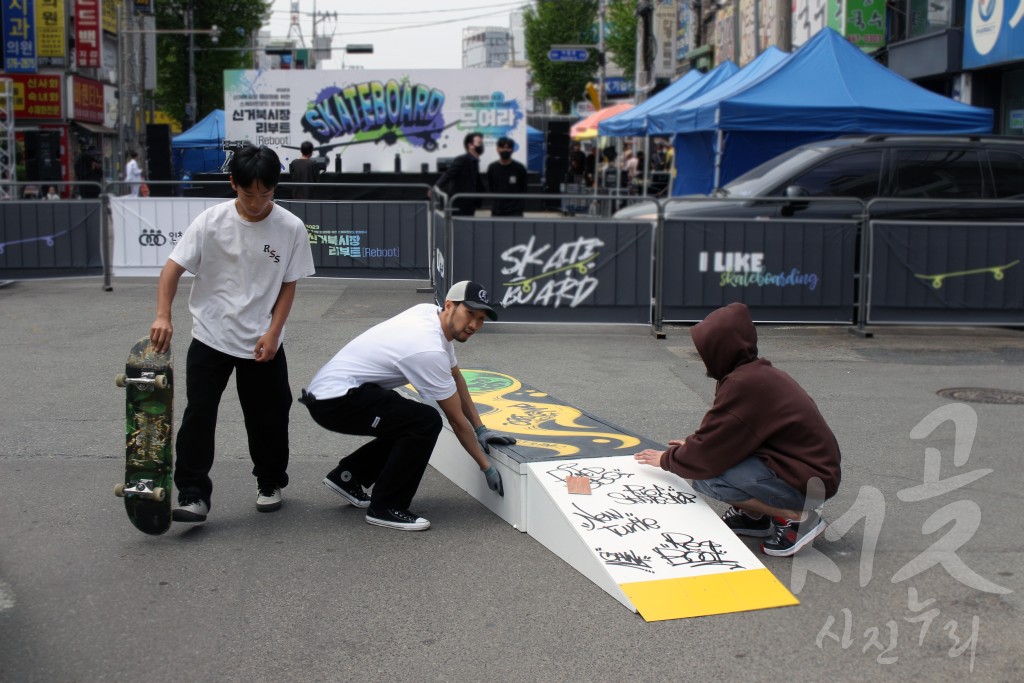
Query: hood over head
[{"x": 725, "y": 339}]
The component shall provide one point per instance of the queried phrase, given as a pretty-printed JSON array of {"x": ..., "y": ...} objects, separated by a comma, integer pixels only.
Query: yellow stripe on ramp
[{"x": 699, "y": 596}]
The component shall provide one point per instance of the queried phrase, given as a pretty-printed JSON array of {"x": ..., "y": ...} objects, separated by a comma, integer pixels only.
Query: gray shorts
[{"x": 751, "y": 478}]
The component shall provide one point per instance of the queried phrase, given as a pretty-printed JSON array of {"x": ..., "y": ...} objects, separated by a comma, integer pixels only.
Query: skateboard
[{"x": 149, "y": 422}]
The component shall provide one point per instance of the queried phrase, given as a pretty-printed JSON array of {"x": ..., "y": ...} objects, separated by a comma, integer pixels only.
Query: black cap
[{"x": 473, "y": 295}]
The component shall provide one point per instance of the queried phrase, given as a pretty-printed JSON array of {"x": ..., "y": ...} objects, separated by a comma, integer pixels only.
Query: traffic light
[{"x": 594, "y": 96}]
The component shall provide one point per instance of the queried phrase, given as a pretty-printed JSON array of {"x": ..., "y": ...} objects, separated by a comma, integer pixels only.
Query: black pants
[
  {"x": 266, "y": 399},
  {"x": 405, "y": 432}
]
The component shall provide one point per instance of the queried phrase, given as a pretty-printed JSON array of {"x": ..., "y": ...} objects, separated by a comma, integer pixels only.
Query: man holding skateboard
[
  {"x": 352, "y": 394},
  {"x": 247, "y": 255}
]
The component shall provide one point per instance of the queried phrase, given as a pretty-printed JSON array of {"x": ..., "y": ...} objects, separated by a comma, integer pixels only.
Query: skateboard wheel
[
  {"x": 119, "y": 490},
  {"x": 159, "y": 493},
  {"x": 119, "y": 380},
  {"x": 160, "y": 381}
]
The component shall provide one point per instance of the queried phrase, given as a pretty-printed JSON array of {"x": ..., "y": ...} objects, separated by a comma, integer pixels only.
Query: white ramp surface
[{"x": 647, "y": 539}]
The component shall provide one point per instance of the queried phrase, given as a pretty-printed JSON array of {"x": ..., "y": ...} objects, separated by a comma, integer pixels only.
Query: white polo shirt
[{"x": 410, "y": 348}]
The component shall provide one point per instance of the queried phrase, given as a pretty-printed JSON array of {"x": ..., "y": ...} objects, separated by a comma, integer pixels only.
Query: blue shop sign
[{"x": 994, "y": 33}]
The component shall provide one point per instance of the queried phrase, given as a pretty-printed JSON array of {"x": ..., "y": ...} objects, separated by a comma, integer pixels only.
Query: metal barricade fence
[
  {"x": 791, "y": 259},
  {"x": 44, "y": 238}
]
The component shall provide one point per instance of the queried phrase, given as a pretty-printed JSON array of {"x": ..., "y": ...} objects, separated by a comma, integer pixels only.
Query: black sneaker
[
  {"x": 348, "y": 488},
  {"x": 743, "y": 524},
  {"x": 397, "y": 519},
  {"x": 790, "y": 536},
  {"x": 268, "y": 499},
  {"x": 190, "y": 509}
]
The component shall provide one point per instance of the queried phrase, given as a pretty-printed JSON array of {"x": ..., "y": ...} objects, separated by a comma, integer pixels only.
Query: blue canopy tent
[
  {"x": 825, "y": 89},
  {"x": 200, "y": 149},
  {"x": 534, "y": 150},
  {"x": 635, "y": 122},
  {"x": 667, "y": 120},
  {"x": 697, "y": 177}
]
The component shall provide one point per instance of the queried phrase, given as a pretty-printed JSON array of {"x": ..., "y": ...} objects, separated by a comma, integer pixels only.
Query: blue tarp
[
  {"x": 825, "y": 89},
  {"x": 200, "y": 149},
  {"x": 636, "y": 121}
]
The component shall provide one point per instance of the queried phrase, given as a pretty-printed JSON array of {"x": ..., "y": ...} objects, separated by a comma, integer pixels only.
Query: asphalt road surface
[{"x": 919, "y": 577}]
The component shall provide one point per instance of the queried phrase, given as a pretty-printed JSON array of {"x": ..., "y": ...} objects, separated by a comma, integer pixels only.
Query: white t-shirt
[
  {"x": 408, "y": 349},
  {"x": 239, "y": 267},
  {"x": 133, "y": 174}
]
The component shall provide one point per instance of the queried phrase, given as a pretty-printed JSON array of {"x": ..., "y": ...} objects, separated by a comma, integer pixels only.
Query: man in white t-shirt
[
  {"x": 247, "y": 256},
  {"x": 352, "y": 394},
  {"x": 133, "y": 174}
]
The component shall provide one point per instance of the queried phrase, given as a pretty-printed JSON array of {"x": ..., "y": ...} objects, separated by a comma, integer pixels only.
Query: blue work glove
[
  {"x": 486, "y": 436},
  {"x": 494, "y": 480}
]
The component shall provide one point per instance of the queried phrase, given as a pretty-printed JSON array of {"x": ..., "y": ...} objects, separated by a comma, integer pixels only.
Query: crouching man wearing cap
[{"x": 352, "y": 394}]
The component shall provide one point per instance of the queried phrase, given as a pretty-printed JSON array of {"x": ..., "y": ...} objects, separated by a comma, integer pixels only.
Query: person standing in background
[
  {"x": 303, "y": 170},
  {"x": 464, "y": 176},
  {"x": 506, "y": 176},
  {"x": 133, "y": 174}
]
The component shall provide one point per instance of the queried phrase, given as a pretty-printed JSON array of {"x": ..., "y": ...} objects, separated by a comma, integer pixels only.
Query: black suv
[{"x": 868, "y": 167}]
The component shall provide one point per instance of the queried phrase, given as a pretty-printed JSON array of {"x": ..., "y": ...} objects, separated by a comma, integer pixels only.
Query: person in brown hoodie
[{"x": 763, "y": 447}]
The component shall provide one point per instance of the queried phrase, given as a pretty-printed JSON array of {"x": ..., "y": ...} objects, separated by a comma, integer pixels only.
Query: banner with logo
[
  {"x": 146, "y": 229},
  {"x": 994, "y": 32},
  {"x": 784, "y": 271},
  {"x": 352, "y": 239},
  {"x": 377, "y": 117},
  {"x": 367, "y": 239},
  {"x": 946, "y": 273},
  {"x": 564, "y": 271}
]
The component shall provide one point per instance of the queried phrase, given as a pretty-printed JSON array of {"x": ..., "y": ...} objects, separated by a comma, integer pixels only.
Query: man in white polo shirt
[{"x": 352, "y": 394}]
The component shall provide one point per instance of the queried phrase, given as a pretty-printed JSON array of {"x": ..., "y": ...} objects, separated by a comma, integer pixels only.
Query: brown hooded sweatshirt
[{"x": 758, "y": 410}]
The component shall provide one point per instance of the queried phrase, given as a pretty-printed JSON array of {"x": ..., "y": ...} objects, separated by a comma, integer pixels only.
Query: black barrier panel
[
  {"x": 558, "y": 271},
  {"x": 784, "y": 271},
  {"x": 47, "y": 238},
  {"x": 371, "y": 239},
  {"x": 946, "y": 273}
]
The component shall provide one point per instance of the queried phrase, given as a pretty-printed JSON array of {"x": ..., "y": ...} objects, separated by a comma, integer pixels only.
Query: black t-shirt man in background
[
  {"x": 303, "y": 170},
  {"x": 464, "y": 176},
  {"x": 506, "y": 176}
]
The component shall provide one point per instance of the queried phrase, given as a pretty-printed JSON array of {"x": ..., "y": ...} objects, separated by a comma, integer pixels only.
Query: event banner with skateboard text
[
  {"x": 384, "y": 119},
  {"x": 946, "y": 272}
]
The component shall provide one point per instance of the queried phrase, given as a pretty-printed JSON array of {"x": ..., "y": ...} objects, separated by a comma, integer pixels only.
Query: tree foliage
[
  {"x": 620, "y": 35},
  {"x": 561, "y": 22},
  {"x": 237, "y": 20}
]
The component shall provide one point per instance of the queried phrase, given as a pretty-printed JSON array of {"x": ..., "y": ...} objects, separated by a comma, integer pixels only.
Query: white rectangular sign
[
  {"x": 370, "y": 116},
  {"x": 646, "y": 537}
]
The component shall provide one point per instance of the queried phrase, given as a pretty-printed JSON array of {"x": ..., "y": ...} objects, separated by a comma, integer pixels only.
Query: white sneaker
[
  {"x": 190, "y": 509},
  {"x": 268, "y": 500}
]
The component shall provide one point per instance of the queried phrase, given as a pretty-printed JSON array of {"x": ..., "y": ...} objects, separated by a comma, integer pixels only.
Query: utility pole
[
  {"x": 190, "y": 109},
  {"x": 600, "y": 55}
]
